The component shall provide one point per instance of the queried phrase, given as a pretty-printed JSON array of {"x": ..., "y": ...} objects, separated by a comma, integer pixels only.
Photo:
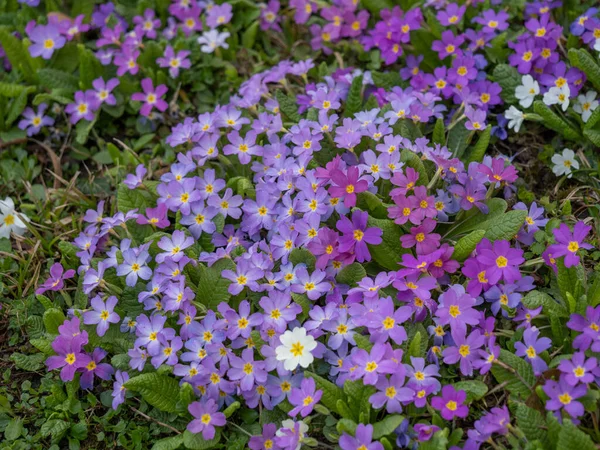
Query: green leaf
[
  {"x": 593, "y": 293},
  {"x": 581, "y": 59},
  {"x": 129, "y": 199},
  {"x": 212, "y": 287},
  {"x": 572, "y": 438},
  {"x": 30, "y": 363},
  {"x": 249, "y": 35},
  {"x": 354, "y": 100},
  {"x": 53, "y": 318},
  {"x": 374, "y": 6},
  {"x": 386, "y": 80},
  {"x": 358, "y": 397},
  {"x": 371, "y": 203},
  {"x": 465, "y": 245},
  {"x": 387, "y": 425},
  {"x": 389, "y": 252},
  {"x": 593, "y": 120},
  {"x": 363, "y": 342},
  {"x": 14, "y": 89},
  {"x": 344, "y": 410},
  {"x": 521, "y": 384},
  {"x": 197, "y": 442},
  {"x": 506, "y": 226},
  {"x": 458, "y": 138},
  {"x": 479, "y": 220},
  {"x": 287, "y": 106},
  {"x": 569, "y": 282},
  {"x": 54, "y": 427},
  {"x": 478, "y": 151},
  {"x": 414, "y": 349},
  {"x": 169, "y": 443},
  {"x": 475, "y": 389},
  {"x": 57, "y": 79},
  {"x": 555, "y": 122},
  {"x": 346, "y": 426},
  {"x": 16, "y": 108},
  {"x": 13, "y": 429},
  {"x": 531, "y": 422},
  {"x": 508, "y": 78},
  {"x": 551, "y": 307},
  {"x": 592, "y": 135},
  {"x": 439, "y": 132},
  {"x": 160, "y": 391},
  {"x": 83, "y": 129},
  {"x": 331, "y": 393},
  {"x": 89, "y": 67},
  {"x": 43, "y": 345},
  {"x": 303, "y": 256},
  {"x": 351, "y": 274},
  {"x": 18, "y": 55}
]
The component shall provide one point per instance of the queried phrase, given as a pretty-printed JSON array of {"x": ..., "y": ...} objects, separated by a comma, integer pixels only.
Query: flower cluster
[{"x": 262, "y": 276}]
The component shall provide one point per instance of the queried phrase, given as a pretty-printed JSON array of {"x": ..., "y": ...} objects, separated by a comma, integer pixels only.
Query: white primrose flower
[
  {"x": 564, "y": 163},
  {"x": 515, "y": 118},
  {"x": 597, "y": 45},
  {"x": 558, "y": 95},
  {"x": 527, "y": 91},
  {"x": 296, "y": 347},
  {"x": 11, "y": 220},
  {"x": 211, "y": 40},
  {"x": 586, "y": 104}
]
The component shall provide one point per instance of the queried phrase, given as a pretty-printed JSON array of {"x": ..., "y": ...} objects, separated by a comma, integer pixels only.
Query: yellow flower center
[
  {"x": 297, "y": 349},
  {"x": 501, "y": 261},
  {"x": 454, "y": 311}
]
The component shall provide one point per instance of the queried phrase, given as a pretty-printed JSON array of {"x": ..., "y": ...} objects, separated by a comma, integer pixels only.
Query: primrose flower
[
  {"x": 391, "y": 392},
  {"x": 558, "y": 95},
  {"x": 45, "y": 40},
  {"x": 515, "y": 118},
  {"x": 586, "y": 105},
  {"x": 265, "y": 441},
  {"x": 71, "y": 356},
  {"x": 95, "y": 368},
  {"x": 119, "y": 390},
  {"x": 247, "y": 370},
  {"x": 104, "y": 90},
  {"x": 466, "y": 351},
  {"x": 304, "y": 398},
  {"x": 102, "y": 314},
  {"x": 456, "y": 309},
  {"x": 296, "y": 349},
  {"x": 174, "y": 61},
  {"x": 363, "y": 439},
  {"x": 531, "y": 347},
  {"x": 372, "y": 365},
  {"x": 527, "y": 91},
  {"x": 56, "y": 280},
  {"x": 34, "y": 121},
  {"x": 501, "y": 261},
  {"x": 212, "y": 40},
  {"x": 11, "y": 221},
  {"x": 347, "y": 185},
  {"x": 356, "y": 235},
  {"x": 84, "y": 106},
  {"x": 578, "y": 369},
  {"x": 151, "y": 97},
  {"x": 450, "y": 403},
  {"x": 563, "y": 164},
  {"x": 563, "y": 396},
  {"x": 206, "y": 418},
  {"x": 568, "y": 243}
]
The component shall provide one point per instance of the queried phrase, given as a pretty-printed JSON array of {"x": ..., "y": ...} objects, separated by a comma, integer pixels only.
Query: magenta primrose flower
[
  {"x": 347, "y": 185},
  {"x": 356, "y": 235},
  {"x": 450, "y": 403},
  {"x": 151, "y": 97},
  {"x": 56, "y": 280},
  {"x": 568, "y": 243}
]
